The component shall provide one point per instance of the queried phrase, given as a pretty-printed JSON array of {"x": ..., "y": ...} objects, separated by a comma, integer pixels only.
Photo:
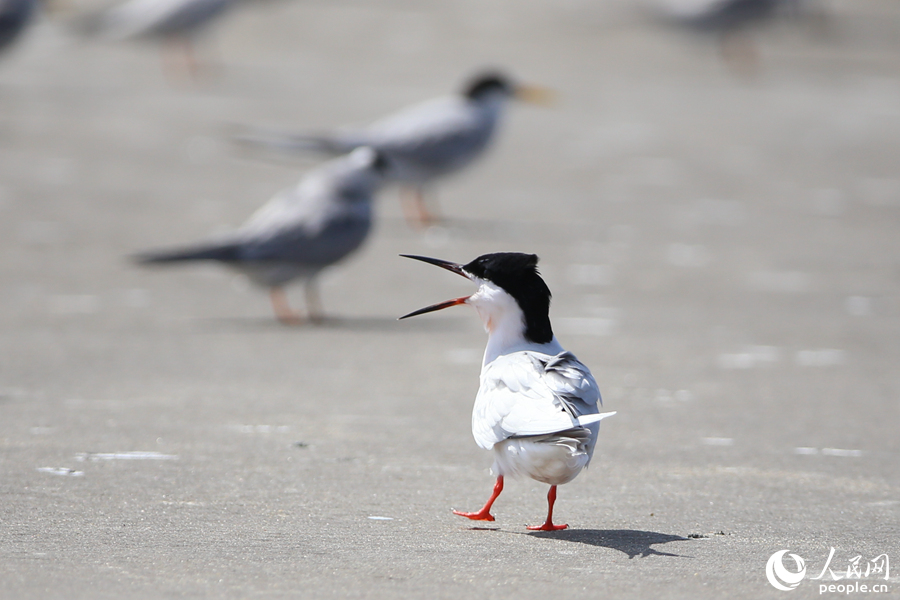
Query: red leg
[
  {"x": 485, "y": 513},
  {"x": 548, "y": 524}
]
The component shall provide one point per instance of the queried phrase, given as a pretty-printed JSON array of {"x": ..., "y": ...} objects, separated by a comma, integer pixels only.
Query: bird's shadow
[{"x": 628, "y": 541}]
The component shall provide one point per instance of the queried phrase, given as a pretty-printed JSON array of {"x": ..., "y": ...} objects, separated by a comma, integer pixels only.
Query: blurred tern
[
  {"x": 299, "y": 232},
  {"x": 177, "y": 22},
  {"x": 425, "y": 141},
  {"x": 731, "y": 22},
  {"x": 161, "y": 18},
  {"x": 537, "y": 406},
  {"x": 14, "y": 17}
]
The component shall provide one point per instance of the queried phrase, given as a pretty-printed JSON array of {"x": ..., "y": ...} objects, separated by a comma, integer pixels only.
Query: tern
[
  {"x": 14, "y": 17},
  {"x": 731, "y": 22},
  {"x": 177, "y": 22},
  {"x": 537, "y": 405},
  {"x": 426, "y": 141},
  {"x": 299, "y": 232}
]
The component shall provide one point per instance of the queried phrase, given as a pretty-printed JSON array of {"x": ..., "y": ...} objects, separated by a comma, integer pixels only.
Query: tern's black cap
[
  {"x": 518, "y": 275},
  {"x": 487, "y": 83}
]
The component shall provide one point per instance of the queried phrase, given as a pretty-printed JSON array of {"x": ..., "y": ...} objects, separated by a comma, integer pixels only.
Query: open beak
[
  {"x": 444, "y": 264},
  {"x": 535, "y": 94}
]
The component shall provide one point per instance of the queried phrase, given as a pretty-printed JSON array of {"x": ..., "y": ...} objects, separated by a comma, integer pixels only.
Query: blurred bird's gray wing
[
  {"x": 191, "y": 15},
  {"x": 135, "y": 18},
  {"x": 336, "y": 239},
  {"x": 279, "y": 141},
  {"x": 297, "y": 245},
  {"x": 228, "y": 251},
  {"x": 305, "y": 228},
  {"x": 440, "y": 135}
]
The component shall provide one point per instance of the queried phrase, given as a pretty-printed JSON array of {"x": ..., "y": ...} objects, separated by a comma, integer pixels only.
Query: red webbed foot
[
  {"x": 485, "y": 513},
  {"x": 548, "y": 526},
  {"x": 481, "y": 515}
]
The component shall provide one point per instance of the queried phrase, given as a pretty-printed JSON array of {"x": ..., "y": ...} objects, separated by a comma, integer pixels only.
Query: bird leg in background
[
  {"x": 415, "y": 208},
  {"x": 179, "y": 58},
  {"x": 282, "y": 308},
  {"x": 485, "y": 513},
  {"x": 313, "y": 302},
  {"x": 548, "y": 524},
  {"x": 740, "y": 53}
]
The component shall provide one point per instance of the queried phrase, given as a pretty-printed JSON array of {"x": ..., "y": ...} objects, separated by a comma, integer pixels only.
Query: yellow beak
[{"x": 535, "y": 94}]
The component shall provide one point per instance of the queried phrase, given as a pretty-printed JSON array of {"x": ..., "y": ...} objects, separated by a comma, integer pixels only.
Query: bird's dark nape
[
  {"x": 486, "y": 83},
  {"x": 518, "y": 275}
]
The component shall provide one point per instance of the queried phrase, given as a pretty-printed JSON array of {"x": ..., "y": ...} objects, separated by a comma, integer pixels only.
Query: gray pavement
[{"x": 722, "y": 248}]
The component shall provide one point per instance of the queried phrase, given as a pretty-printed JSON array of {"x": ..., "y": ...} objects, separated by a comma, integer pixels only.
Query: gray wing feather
[
  {"x": 329, "y": 144},
  {"x": 575, "y": 389},
  {"x": 318, "y": 222},
  {"x": 442, "y": 134},
  {"x": 155, "y": 17},
  {"x": 436, "y": 137},
  {"x": 336, "y": 239},
  {"x": 530, "y": 393},
  {"x": 224, "y": 252}
]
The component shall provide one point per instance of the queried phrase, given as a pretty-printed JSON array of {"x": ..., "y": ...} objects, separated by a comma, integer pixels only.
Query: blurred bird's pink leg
[
  {"x": 740, "y": 53},
  {"x": 485, "y": 513},
  {"x": 282, "y": 308},
  {"x": 548, "y": 524},
  {"x": 415, "y": 209},
  {"x": 190, "y": 58},
  {"x": 180, "y": 59}
]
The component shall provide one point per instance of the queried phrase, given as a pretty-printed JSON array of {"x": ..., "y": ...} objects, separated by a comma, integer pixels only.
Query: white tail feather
[{"x": 588, "y": 419}]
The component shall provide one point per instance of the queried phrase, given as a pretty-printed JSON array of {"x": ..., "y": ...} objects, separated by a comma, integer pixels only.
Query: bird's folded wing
[
  {"x": 572, "y": 382},
  {"x": 294, "y": 228},
  {"x": 139, "y": 16},
  {"x": 432, "y": 117},
  {"x": 527, "y": 393},
  {"x": 433, "y": 132}
]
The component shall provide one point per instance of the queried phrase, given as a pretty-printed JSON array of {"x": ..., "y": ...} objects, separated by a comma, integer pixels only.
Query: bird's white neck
[{"x": 505, "y": 324}]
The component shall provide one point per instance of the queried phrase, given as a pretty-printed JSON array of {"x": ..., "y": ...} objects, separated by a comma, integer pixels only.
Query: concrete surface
[{"x": 723, "y": 250}]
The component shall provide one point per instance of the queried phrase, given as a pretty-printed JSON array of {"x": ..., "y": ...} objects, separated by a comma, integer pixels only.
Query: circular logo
[{"x": 781, "y": 578}]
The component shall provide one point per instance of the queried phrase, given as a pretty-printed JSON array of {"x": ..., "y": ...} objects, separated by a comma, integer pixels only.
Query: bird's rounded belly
[{"x": 545, "y": 461}]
